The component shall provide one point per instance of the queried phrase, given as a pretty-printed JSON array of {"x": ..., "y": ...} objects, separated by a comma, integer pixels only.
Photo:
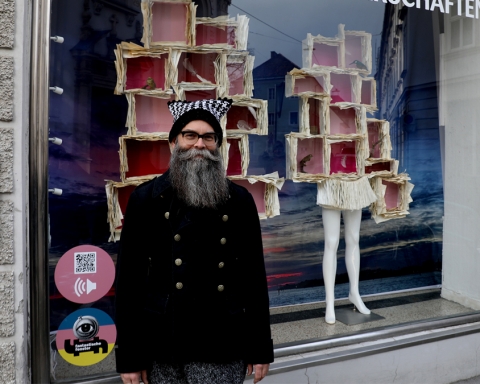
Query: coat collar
[{"x": 161, "y": 184}]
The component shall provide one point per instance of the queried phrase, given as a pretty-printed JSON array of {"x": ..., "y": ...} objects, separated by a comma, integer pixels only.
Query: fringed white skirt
[{"x": 345, "y": 195}]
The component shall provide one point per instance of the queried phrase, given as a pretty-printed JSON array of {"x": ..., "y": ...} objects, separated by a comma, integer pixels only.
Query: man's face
[{"x": 186, "y": 139}]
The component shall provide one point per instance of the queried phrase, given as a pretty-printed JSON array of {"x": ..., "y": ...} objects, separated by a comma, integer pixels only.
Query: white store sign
[{"x": 468, "y": 8}]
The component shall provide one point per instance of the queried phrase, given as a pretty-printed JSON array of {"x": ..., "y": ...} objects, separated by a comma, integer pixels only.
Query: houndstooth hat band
[{"x": 210, "y": 111}]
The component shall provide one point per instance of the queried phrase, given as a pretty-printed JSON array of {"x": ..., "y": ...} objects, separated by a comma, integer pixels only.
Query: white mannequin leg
[
  {"x": 331, "y": 227},
  {"x": 352, "y": 221}
]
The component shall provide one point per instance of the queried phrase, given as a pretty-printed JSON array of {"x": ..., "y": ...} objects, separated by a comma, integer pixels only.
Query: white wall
[{"x": 460, "y": 113}]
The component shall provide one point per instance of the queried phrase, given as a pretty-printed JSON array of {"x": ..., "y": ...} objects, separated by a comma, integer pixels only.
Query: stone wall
[{"x": 14, "y": 110}]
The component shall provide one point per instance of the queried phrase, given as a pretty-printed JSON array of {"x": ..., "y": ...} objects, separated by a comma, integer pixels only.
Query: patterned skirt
[{"x": 198, "y": 373}]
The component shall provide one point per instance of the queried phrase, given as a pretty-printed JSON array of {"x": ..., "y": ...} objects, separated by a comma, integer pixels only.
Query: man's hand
[
  {"x": 261, "y": 371},
  {"x": 134, "y": 378}
]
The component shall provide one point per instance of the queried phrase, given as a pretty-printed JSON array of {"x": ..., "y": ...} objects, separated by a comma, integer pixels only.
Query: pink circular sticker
[{"x": 84, "y": 274}]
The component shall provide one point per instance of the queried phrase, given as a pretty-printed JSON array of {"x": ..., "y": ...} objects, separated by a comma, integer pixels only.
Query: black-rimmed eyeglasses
[{"x": 191, "y": 138}]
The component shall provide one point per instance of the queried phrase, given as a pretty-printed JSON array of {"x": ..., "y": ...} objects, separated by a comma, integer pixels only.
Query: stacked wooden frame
[
  {"x": 186, "y": 58},
  {"x": 336, "y": 141}
]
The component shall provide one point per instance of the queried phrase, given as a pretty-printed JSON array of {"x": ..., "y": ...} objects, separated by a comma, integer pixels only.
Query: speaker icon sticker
[
  {"x": 84, "y": 274},
  {"x": 79, "y": 287}
]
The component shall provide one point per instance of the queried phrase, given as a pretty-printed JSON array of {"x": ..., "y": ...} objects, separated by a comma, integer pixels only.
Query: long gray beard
[{"x": 198, "y": 181}]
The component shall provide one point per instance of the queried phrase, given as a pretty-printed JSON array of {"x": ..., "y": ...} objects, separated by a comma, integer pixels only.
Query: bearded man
[{"x": 191, "y": 296}]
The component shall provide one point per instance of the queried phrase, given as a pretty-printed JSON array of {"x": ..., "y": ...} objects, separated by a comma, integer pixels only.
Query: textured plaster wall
[{"x": 15, "y": 35}]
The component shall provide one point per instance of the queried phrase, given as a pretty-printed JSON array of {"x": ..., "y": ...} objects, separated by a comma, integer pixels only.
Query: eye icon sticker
[
  {"x": 86, "y": 327},
  {"x": 86, "y": 337}
]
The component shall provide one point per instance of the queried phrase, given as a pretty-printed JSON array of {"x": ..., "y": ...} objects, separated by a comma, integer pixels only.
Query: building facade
[{"x": 308, "y": 73}]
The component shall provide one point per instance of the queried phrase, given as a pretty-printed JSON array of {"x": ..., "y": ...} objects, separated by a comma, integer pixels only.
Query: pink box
[
  {"x": 326, "y": 55},
  {"x": 139, "y": 69},
  {"x": 200, "y": 94},
  {"x": 235, "y": 76},
  {"x": 343, "y": 157},
  {"x": 374, "y": 140},
  {"x": 341, "y": 88},
  {"x": 169, "y": 22},
  {"x": 258, "y": 192},
  {"x": 378, "y": 167},
  {"x": 312, "y": 165},
  {"x": 192, "y": 64},
  {"x": 342, "y": 121},
  {"x": 366, "y": 94},
  {"x": 152, "y": 114},
  {"x": 353, "y": 50},
  {"x": 147, "y": 157},
  {"x": 209, "y": 34},
  {"x": 392, "y": 195},
  {"x": 234, "y": 167},
  {"x": 242, "y": 116},
  {"x": 309, "y": 84}
]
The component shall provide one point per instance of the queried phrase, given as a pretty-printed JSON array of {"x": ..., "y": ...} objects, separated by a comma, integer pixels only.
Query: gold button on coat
[
  {"x": 221, "y": 264},
  {"x": 177, "y": 237},
  {"x": 220, "y": 288},
  {"x": 179, "y": 285},
  {"x": 223, "y": 241},
  {"x": 167, "y": 215},
  {"x": 178, "y": 262},
  {"x": 225, "y": 218}
]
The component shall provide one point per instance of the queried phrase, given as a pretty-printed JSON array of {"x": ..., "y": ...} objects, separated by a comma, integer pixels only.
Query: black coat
[{"x": 191, "y": 284}]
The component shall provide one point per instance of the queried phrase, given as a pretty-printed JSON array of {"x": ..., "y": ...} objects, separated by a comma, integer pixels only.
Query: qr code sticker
[{"x": 85, "y": 262}]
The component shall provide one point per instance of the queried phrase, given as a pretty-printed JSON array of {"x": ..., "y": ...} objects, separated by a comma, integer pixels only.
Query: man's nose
[{"x": 200, "y": 144}]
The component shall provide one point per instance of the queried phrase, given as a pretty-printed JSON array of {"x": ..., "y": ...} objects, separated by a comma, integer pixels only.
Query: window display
[{"x": 335, "y": 119}]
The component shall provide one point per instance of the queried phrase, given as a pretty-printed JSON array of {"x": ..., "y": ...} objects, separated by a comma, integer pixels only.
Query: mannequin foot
[
  {"x": 357, "y": 301},
  {"x": 330, "y": 314}
]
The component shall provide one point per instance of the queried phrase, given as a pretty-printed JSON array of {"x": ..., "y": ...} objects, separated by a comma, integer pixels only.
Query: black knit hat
[{"x": 210, "y": 111}]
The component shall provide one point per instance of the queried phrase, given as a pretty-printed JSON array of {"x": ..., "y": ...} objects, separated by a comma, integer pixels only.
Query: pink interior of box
[
  {"x": 123, "y": 196},
  {"x": 208, "y": 34},
  {"x": 192, "y": 64},
  {"x": 374, "y": 140},
  {"x": 341, "y": 88},
  {"x": 310, "y": 156},
  {"x": 169, "y": 22},
  {"x": 241, "y": 118},
  {"x": 342, "y": 121},
  {"x": 200, "y": 94},
  {"x": 324, "y": 54},
  {"x": 342, "y": 158},
  {"x": 353, "y": 50},
  {"x": 234, "y": 158},
  {"x": 258, "y": 192},
  {"x": 367, "y": 92},
  {"x": 309, "y": 84},
  {"x": 235, "y": 77},
  {"x": 314, "y": 116},
  {"x": 378, "y": 167},
  {"x": 147, "y": 157},
  {"x": 152, "y": 114},
  {"x": 392, "y": 194},
  {"x": 139, "y": 69}
]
